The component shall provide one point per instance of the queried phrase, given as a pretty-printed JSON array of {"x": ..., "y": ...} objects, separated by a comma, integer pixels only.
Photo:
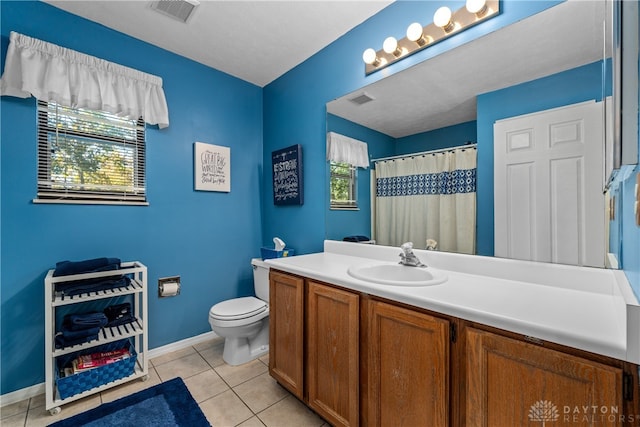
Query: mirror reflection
[{"x": 495, "y": 147}]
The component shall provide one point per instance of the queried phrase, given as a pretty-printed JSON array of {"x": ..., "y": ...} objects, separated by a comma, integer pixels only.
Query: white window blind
[{"x": 87, "y": 156}]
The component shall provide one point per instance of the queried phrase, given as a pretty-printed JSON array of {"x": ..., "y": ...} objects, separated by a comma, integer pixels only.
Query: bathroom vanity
[{"x": 500, "y": 342}]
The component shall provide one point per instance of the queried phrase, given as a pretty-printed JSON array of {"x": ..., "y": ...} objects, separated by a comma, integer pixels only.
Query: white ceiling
[
  {"x": 256, "y": 41},
  {"x": 442, "y": 91}
]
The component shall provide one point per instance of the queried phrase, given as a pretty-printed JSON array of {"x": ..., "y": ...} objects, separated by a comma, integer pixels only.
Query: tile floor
[{"x": 228, "y": 395}]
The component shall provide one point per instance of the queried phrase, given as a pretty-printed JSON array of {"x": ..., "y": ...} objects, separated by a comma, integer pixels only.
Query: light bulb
[
  {"x": 414, "y": 32},
  {"x": 370, "y": 57},
  {"x": 390, "y": 45},
  {"x": 442, "y": 18},
  {"x": 479, "y": 7}
]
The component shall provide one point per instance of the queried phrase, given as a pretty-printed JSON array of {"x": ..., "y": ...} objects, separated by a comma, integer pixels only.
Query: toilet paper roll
[{"x": 169, "y": 289}]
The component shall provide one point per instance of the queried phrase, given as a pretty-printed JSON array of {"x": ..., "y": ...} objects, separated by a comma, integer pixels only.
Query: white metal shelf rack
[{"x": 137, "y": 330}]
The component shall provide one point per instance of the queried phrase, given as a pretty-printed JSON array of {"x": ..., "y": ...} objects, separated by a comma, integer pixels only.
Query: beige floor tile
[
  {"x": 235, "y": 375},
  {"x": 14, "y": 409},
  {"x": 290, "y": 412},
  {"x": 183, "y": 367},
  {"x": 130, "y": 387},
  {"x": 265, "y": 359},
  {"x": 225, "y": 409},
  {"x": 204, "y": 345},
  {"x": 38, "y": 417},
  {"x": 37, "y": 401},
  {"x": 169, "y": 357},
  {"x": 260, "y": 392},
  {"x": 213, "y": 354},
  {"x": 252, "y": 422},
  {"x": 205, "y": 385},
  {"x": 16, "y": 420}
]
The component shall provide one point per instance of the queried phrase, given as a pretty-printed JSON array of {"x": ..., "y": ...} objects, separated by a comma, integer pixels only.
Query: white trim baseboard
[
  {"x": 179, "y": 345},
  {"x": 37, "y": 389},
  {"x": 22, "y": 394}
]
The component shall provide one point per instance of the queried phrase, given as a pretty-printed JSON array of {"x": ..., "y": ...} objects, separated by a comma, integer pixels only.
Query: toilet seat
[{"x": 237, "y": 309}]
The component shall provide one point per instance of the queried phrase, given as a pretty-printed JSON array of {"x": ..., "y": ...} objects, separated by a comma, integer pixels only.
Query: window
[
  {"x": 87, "y": 156},
  {"x": 343, "y": 186}
]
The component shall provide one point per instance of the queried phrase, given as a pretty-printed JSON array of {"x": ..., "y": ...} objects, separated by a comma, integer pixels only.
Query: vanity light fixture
[{"x": 445, "y": 24}]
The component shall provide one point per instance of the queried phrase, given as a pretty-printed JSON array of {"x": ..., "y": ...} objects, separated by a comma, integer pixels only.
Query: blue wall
[
  {"x": 446, "y": 137},
  {"x": 630, "y": 231},
  {"x": 207, "y": 238}
]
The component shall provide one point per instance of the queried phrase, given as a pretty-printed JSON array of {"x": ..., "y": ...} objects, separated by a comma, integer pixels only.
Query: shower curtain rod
[{"x": 442, "y": 150}]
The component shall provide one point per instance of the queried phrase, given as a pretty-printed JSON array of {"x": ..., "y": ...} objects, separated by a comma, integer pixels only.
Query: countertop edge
[{"x": 620, "y": 344}]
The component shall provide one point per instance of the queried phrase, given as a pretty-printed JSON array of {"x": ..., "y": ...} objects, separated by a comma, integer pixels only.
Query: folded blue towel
[
  {"x": 92, "y": 285},
  {"x": 355, "y": 239},
  {"x": 69, "y": 338},
  {"x": 65, "y": 268},
  {"x": 83, "y": 321}
]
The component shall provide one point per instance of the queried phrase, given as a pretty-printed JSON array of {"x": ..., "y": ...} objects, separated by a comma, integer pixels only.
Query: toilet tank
[{"x": 260, "y": 278}]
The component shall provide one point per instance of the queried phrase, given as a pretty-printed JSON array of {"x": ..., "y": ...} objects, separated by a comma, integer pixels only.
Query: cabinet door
[
  {"x": 286, "y": 325},
  {"x": 333, "y": 344},
  {"x": 511, "y": 383},
  {"x": 408, "y": 362}
]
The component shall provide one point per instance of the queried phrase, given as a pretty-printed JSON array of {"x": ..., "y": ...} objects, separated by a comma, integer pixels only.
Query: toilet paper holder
[{"x": 169, "y": 286}]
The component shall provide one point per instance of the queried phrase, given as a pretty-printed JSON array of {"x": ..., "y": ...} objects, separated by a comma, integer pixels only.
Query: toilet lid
[{"x": 238, "y": 308}]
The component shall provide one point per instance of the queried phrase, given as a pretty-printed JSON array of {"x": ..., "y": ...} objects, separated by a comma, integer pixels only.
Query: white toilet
[{"x": 244, "y": 322}]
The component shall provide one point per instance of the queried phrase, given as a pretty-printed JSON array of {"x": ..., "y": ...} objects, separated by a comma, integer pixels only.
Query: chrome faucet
[{"x": 408, "y": 258}]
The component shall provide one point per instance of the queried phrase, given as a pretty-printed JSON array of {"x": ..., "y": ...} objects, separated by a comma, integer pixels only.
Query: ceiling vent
[
  {"x": 363, "y": 98},
  {"x": 177, "y": 9}
]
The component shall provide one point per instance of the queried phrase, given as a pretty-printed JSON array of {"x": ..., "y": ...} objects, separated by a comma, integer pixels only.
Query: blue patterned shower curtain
[{"x": 429, "y": 196}]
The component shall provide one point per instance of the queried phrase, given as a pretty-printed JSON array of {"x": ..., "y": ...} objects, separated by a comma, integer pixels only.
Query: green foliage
[{"x": 342, "y": 184}]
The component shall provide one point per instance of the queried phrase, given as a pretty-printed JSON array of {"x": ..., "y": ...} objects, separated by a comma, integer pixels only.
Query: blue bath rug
[{"x": 166, "y": 404}]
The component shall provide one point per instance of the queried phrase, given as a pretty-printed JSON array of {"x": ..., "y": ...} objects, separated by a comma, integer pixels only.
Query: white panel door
[{"x": 548, "y": 198}]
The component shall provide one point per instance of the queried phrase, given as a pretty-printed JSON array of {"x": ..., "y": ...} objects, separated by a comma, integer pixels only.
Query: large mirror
[{"x": 557, "y": 58}]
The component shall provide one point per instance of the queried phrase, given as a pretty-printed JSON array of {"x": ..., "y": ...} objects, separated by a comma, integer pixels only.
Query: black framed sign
[{"x": 287, "y": 176}]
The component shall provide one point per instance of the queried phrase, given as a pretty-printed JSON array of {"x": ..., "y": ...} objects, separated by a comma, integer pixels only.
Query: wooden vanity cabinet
[
  {"x": 286, "y": 327},
  {"x": 513, "y": 382},
  {"x": 333, "y": 350},
  {"x": 357, "y": 360},
  {"x": 314, "y": 345},
  {"x": 408, "y": 367}
]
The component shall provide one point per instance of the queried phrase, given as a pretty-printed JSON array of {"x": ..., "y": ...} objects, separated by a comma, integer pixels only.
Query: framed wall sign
[
  {"x": 287, "y": 176},
  {"x": 212, "y": 167}
]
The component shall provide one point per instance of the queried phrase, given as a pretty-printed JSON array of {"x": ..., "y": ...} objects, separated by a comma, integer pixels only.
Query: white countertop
[{"x": 585, "y": 308}]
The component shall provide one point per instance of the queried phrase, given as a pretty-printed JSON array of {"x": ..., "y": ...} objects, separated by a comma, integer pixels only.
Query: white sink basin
[{"x": 397, "y": 274}]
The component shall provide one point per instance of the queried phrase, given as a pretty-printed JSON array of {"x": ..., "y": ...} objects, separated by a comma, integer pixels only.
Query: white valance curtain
[
  {"x": 52, "y": 73},
  {"x": 342, "y": 149},
  {"x": 431, "y": 196}
]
